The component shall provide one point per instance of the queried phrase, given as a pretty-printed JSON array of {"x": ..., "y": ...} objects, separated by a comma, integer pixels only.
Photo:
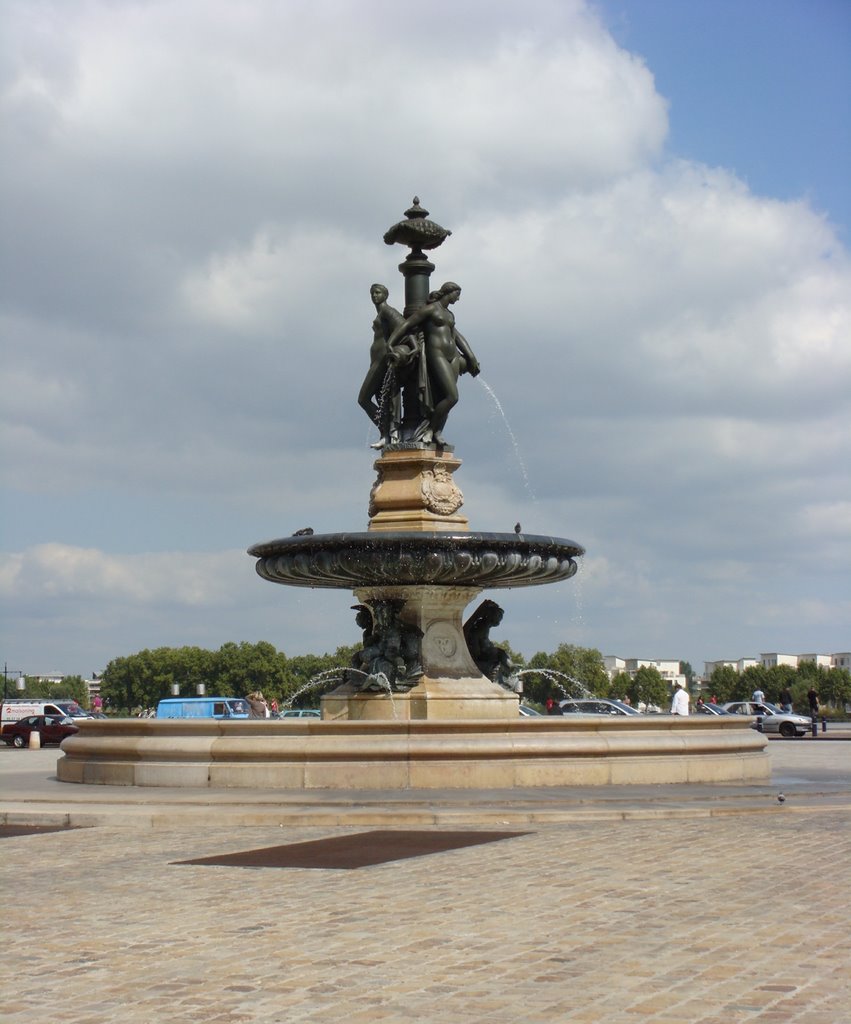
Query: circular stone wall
[{"x": 450, "y": 754}]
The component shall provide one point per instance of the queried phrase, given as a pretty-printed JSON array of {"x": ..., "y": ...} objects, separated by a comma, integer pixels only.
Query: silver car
[
  {"x": 597, "y": 706},
  {"x": 771, "y": 718}
]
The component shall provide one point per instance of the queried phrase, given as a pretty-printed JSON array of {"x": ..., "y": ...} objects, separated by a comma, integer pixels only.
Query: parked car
[
  {"x": 300, "y": 713},
  {"x": 527, "y": 712},
  {"x": 709, "y": 709},
  {"x": 52, "y": 729},
  {"x": 598, "y": 706},
  {"x": 771, "y": 718}
]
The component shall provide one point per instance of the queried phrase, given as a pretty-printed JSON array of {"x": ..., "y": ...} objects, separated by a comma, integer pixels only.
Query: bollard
[
  {"x": 35, "y": 740},
  {"x": 823, "y": 724},
  {"x": 815, "y": 727}
]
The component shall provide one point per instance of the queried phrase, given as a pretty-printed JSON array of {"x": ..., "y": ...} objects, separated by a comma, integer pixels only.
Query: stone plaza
[{"x": 693, "y": 904}]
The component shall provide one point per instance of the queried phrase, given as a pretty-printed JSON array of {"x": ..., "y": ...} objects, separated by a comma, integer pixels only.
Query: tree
[
  {"x": 777, "y": 679},
  {"x": 238, "y": 669},
  {"x": 69, "y": 686},
  {"x": 754, "y": 677},
  {"x": 725, "y": 683},
  {"x": 620, "y": 686},
  {"x": 573, "y": 671},
  {"x": 833, "y": 686},
  {"x": 688, "y": 672},
  {"x": 648, "y": 687}
]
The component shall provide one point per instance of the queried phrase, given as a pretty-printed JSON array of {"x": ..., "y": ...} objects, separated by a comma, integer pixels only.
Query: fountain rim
[
  {"x": 416, "y": 540},
  {"x": 398, "y": 559}
]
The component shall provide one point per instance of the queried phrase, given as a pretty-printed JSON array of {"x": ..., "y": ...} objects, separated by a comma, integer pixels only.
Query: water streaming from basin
[
  {"x": 489, "y": 391},
  {"x": 553, "y": 676}
]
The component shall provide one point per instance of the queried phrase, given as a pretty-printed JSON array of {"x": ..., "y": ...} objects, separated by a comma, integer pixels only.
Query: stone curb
[{"x": 162, "y": 816}]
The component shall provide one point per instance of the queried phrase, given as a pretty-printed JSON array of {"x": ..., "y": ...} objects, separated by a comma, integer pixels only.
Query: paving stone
[{"x": 704, "y": 920}]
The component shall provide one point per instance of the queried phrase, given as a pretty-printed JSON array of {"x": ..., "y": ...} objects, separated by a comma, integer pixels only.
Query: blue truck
[{"x": 202, "y": 707}]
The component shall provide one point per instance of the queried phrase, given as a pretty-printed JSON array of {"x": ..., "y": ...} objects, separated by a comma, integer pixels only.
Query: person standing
[
  {"x": 679, "y": 705},
  {"x": 758, "y": 697},
  {"x": 257, "y": 706},
  {"x": 786, "y": 700},
  {"x": 812, "y": 699}
]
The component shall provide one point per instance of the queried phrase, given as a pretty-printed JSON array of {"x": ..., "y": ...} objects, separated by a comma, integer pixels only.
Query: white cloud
[
  {"x": 198, "y": 197},
  {"x": 61, "y": 571}
]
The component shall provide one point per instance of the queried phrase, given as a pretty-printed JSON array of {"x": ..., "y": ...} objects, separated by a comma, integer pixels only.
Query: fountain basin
[
  {"x": 349, "y": 561},
  {"x": 398, "y": 755}
]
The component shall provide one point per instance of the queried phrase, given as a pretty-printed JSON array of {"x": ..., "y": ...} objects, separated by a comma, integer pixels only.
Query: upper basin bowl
[{"x": 348, "y": 561}]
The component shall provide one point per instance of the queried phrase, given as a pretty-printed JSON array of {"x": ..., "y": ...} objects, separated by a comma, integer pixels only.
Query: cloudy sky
[{"x": 650, "y": 219}]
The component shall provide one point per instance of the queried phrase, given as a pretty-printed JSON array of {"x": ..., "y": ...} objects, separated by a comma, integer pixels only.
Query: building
[
  {"x": 667, "y": 668},
  {"x": 738, "y": 666},
  {"x": 772, "y": 659}
]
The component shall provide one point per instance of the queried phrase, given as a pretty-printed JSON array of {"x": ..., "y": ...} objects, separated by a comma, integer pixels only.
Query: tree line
[
  {"x": 143, "y": 679},
  {"x": 833, "y": 685}
]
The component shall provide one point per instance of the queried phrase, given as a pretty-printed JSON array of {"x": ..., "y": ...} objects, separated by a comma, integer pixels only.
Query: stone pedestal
[
  {"x": 414, "y": 491},
  {"x": 451, "y": 686}
]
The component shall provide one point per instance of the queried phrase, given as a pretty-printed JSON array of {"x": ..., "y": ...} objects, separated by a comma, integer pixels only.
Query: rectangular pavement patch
[
  {"x": 10, "y": 831},
  {"x": 355, "y": 851}
]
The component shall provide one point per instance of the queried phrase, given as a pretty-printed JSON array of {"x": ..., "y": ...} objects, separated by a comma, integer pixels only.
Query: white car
[
  {"x": 771, "y": 718},
  {"x": 597, "y": 706}
]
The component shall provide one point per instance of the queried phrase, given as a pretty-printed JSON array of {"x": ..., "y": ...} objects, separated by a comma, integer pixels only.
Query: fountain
[{"x": 429, "y": 701}]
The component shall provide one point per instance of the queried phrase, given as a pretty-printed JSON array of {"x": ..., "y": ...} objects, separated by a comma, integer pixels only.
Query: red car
[{"x": 53, "y": 729}]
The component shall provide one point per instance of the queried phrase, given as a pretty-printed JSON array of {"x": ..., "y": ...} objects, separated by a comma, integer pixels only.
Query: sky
[{"x": 650, "y": 221}]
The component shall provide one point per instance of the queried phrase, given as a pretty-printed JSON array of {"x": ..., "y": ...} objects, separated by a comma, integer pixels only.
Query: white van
[{"x": 16, "y": 709}]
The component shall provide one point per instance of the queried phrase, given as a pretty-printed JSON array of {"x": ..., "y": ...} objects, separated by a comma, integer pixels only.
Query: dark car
[
  {"x": 710, "y": 709},
  {"x": 598, "y": 706},
  {"x": 51, "y": 728}
]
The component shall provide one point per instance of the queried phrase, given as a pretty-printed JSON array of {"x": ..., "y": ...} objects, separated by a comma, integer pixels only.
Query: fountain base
[
  {"x": 433, "y": 699},
  {"x": 303, "y": 754}
]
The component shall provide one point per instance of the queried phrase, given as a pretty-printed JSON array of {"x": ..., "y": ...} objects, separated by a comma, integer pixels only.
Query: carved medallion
[{"x": 440, "y": 494}]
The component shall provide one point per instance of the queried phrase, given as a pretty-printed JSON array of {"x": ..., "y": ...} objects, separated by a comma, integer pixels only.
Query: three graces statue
[{"x": 411, "y": 385}]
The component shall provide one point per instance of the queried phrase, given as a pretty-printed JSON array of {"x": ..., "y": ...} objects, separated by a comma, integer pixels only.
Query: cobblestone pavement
[{"x": 700, "y": 921}]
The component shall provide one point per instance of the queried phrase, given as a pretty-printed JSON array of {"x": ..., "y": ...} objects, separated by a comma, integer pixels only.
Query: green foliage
[
  {"x": 71, "y": 686},
  {"x": 620, "y": 686},
  {"x": 777, "y": 678},
  {"x": 648, "y": 687},
  {"x": 833, "y": 686},
  {"x": 726, "y": 684},
  {"x": 145, "y": 678},
  {"x": 583, "y": 667},
  {"x": 688, "y": 672}
]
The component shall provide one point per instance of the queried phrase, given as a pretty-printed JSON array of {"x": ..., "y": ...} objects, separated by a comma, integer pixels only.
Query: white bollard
[{"x": 35, "y": 740}]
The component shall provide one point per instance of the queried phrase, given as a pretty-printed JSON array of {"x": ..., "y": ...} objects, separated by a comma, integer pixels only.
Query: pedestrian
[
  {"x": 786, "y": 700},
  {"x": 700, "y": 702},
  {"x": 273, "y": 706},
  {"x": 812, "y": 698},
  {"x": 758, "y": 697},
  {"x": 550, "y": 706},
  {"x": 713, "y": 699},
  {"x": 679, "y": 705},
  {"x": 257, "y": 706},
  {"x": 626, "y": 700}
]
